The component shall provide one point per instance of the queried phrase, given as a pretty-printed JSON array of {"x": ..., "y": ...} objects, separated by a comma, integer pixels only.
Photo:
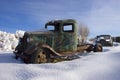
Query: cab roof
[{"x": 63, "y": 21}]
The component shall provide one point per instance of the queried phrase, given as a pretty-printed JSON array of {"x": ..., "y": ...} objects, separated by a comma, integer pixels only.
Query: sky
[{"x": 101, "y": 16}]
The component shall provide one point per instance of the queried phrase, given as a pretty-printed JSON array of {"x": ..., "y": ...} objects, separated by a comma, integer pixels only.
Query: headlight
[{"x": 107, "y": 39}]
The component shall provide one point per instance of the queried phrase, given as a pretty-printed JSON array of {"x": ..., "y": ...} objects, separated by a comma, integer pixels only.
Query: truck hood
[{"x": 41, "y": 31}]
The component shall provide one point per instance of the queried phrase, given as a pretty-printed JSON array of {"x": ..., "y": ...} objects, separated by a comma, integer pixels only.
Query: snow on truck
[{"x": 59, "y": 42}]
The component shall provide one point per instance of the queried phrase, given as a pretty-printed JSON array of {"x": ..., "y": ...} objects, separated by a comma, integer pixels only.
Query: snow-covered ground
[{"x": 92, "y": 66}]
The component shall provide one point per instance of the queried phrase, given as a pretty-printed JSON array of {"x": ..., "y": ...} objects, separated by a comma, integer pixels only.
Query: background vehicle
[
  {"x": 58, "y": 42},
  {"x": 105, "y": 40}
]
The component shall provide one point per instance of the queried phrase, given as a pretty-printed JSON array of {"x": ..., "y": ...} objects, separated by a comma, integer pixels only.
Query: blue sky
[{"x": 101, "y": 16}]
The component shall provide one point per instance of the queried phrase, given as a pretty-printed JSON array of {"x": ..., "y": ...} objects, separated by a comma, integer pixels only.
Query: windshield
[
  {"x": 104, "y": 37},
  {"x": 53, "y": 27}
]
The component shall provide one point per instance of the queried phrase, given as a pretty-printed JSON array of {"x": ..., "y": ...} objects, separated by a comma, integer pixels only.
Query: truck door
[{"x": 69, "y": 37}]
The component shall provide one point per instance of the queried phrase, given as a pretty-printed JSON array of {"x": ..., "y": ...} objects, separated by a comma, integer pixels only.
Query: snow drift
[
  {"x": 93, "y": 66},
  {"x": 9, "y": 41},
  {"x": 90, "y": 66}
]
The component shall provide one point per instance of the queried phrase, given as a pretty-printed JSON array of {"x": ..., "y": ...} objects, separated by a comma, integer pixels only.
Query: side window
[
  {"x": 51, "y": 28},
  {"x": 68, "y": 28}
]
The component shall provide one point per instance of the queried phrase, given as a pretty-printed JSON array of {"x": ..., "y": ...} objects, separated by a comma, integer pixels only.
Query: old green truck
[{"x": 59, "y": 41}]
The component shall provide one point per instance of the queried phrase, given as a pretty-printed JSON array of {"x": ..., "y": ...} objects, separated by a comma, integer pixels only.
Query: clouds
[
  {"x": 104, "y": 18},
  {"x": 36, "y": 13},
  {"x": 46, "y": 10},
  {"x": 101, "y": 16}
]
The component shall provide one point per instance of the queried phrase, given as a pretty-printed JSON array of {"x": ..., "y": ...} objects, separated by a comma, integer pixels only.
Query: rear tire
[
  {"x": 90, "y": 48},
  {"x": 98, "y": 48}
]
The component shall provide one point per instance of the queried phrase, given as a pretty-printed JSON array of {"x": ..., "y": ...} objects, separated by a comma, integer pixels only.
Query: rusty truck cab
[{"x": 65, "y": 39}]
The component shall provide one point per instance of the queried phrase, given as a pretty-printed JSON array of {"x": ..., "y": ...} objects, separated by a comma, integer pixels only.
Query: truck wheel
[
  {"x": 90, "y": 48},
  {"x": 98, "y": 48},
  {"x": 39, "y": 56}
]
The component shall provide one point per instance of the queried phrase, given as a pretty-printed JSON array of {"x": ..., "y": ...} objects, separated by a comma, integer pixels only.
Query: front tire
[{"x": 39, "y": 56}]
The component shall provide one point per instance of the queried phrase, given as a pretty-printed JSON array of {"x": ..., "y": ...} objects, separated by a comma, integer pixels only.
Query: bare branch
[{"x": 83, "y": 32}]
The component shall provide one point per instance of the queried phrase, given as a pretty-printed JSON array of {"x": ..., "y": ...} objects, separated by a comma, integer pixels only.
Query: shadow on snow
[{"x": 8, "y": 58}]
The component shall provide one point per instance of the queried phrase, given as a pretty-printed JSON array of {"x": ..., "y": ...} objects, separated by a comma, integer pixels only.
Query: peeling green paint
[{"x": 59, "y": 39}]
